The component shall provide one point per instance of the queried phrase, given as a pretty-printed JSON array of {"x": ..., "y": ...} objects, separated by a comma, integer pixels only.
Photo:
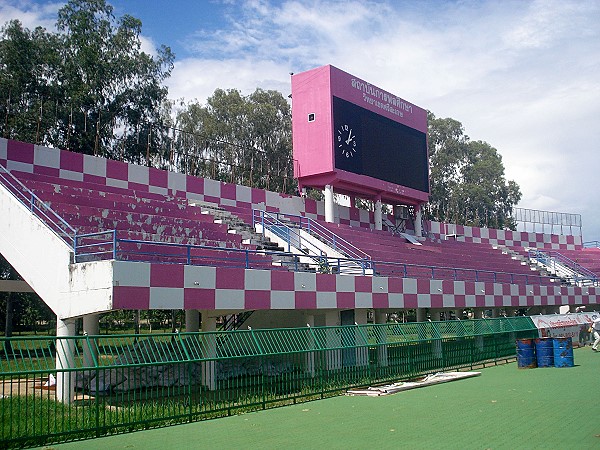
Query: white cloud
[
  {"x": 31, "y": 14},
  {"x": 197, "y": 79}
]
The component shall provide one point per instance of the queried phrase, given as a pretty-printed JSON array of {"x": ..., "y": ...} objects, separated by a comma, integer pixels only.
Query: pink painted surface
[
  {"x": 199, "y": 299},
  {"x": 326, "y": 283},
  {"x": 116, "y": 170},
  {"x": 405, "y": 292},
  {"x": 312, "y": 141},
  {"x": 257, "y": 299},
  {"x": 306, "y": 300},
  {"x": 131, "y": 297},
  {"x": 158, "y": 178},
  {"x": 380, "y": 300},
  {"x": 230, "y": 278},
  {"x": 314, "y": 165},
  {"x": 346, "y": 300},
  {"x": 20, "y": 151},
  {"x": 166, "y": 275},
  {"x": 282, "y": 281},
  {"x": 363, "y": 284}
]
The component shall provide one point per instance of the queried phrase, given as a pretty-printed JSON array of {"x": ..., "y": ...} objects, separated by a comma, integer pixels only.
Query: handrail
[
  {"x": 315, "y": 228},
  {"x": 290, "y": 235},
  {"x": 108, "y": 247},
  {"x": 246, "y": 260},
  {"x": 552, "y": 259},
  {"x": 40, "y": 209}
]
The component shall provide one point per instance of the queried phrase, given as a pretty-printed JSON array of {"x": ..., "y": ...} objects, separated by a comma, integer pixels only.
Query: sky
[{"x": 523, "y": 76}]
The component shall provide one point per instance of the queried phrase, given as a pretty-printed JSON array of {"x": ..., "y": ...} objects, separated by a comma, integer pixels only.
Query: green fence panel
[{"x": 61, "y": 389}]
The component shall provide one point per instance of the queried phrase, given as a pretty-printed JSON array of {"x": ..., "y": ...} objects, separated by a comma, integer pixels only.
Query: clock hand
[{"x": 349, "y": 137}]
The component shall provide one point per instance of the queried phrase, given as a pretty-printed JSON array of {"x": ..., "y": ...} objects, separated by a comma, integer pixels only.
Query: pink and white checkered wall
[{"x": 147, "y": 285}]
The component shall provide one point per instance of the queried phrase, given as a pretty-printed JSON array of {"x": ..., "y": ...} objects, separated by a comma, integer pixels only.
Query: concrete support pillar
[
  {"x": 362, "y": 353},
  {"x": 378, "y": 214},
  {"x": 382, "y": 350},
  {"x": 418, "y": 221},
  {"x": 309, "y": 362},
  {"x": 436, "y": 343},
  {"x": 421, "y": 316},
  {"x": 209, "y": 376},
  {"x": 329, "y": 204},
  {"x": 495, "y": 313},
  {"x": 91, "y": 327},
  {"x": 333, "y": 358},
  {"x": 192, "y": 320},
  {"x": 65, "y": 360}
]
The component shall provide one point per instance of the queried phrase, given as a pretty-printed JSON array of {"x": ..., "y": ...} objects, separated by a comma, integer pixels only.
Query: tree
[
  {"x": 239, "y": 139},
  {"x": 88, "y": 87},
  {"x": 467, "y": 180},
  {"x": 25, "y": 309},
  {"x": 28, "y": 64}
]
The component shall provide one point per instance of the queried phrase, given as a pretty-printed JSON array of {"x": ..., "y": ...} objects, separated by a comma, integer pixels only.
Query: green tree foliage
[
  {"x": 20, "y": 311},
  {"x": 238, "y": 139},
  {"x": 468, "y": 185},
  {"x": 89, "y": 87}
]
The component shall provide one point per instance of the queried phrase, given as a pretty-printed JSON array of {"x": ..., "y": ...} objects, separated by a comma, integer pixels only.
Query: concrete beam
[{"x": 14, "y": 286}]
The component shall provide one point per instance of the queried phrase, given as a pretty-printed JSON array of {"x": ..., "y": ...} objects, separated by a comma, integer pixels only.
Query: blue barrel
[
  {"x": 525, "y": 354},
  {"x": 563, "y": 352},
  {"x": 544, "y": 352}
]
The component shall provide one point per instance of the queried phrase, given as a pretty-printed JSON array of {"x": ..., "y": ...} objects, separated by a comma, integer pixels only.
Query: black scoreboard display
[{"x": 366, "y": 143}]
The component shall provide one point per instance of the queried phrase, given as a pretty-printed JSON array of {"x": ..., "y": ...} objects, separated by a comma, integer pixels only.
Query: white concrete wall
[{"x": 44, "y": 261}]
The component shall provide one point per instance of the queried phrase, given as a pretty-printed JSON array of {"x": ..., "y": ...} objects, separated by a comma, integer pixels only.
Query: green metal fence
[{"x": 61, "y": 389}]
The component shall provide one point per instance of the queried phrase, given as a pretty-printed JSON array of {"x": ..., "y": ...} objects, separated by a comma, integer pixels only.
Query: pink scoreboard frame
[{"x": 312, "y": 130}]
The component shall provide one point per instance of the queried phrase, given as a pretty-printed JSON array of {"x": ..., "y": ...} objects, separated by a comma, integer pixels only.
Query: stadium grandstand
[{"x": 91, "y": 235}]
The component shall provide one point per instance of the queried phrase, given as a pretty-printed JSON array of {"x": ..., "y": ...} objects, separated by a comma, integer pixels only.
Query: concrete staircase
[{"x": 250, "y": 237}]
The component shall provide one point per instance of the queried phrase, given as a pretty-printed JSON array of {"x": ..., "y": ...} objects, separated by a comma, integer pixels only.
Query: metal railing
[
  {"x": 288, "y": 232},
  {"x": 116, "y": 384},
  {"x": 404, "y": 270},
  {"x": 591, "y": 244},
  {"x": 55, "y": 222},
  {"x": 107, "y": 245},
  {"x": 563, "y": 267},
  {"x": 312, "y": 227}
]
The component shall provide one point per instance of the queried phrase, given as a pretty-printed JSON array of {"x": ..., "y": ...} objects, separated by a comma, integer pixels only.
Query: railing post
[
  {"x": 75, "y": 247},
  {"x": 114, "y": 244},
  {"x": 247, "y": 259},
  {"x": 189, "y": 255}
]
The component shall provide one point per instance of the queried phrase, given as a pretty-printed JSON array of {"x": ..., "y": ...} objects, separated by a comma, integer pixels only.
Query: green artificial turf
[{"x": 504, "y": 408}]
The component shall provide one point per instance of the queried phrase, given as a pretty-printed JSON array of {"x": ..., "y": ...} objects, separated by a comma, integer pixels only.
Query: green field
[{"x": 504, "y": 408}]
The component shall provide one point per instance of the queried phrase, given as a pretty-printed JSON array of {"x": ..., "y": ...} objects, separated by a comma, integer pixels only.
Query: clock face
[{"x": 346, "y": 141}]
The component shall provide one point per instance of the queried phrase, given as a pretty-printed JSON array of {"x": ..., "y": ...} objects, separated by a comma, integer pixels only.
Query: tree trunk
[
  {"x": 8, "y": 327},
  {"x": 136, "y": 321}
]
